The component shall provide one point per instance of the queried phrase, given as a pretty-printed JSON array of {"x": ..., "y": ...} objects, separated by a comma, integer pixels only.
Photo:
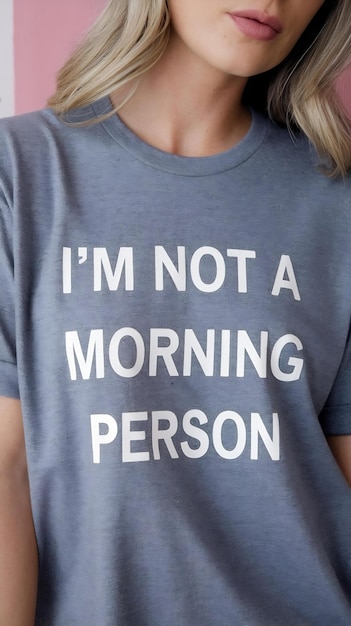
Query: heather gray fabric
[{"x": 177, "y": 330}]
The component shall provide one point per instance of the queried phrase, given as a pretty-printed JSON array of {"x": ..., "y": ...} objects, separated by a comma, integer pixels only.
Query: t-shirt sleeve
[
  {"x": 8, "y": 367},
  {"x": 335, "y": 417}
]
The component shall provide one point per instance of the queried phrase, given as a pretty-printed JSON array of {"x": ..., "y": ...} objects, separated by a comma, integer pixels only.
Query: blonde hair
[
  {"x": 130, "y": 37},
  {"x": 303, "y": 92}
]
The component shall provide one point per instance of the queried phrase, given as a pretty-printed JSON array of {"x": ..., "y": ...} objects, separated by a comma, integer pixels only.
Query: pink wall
[{"x": 45, "y": 33}]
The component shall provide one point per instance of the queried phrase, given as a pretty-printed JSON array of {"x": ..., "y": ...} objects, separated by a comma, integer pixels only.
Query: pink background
[{"x": 45, "y": 33}]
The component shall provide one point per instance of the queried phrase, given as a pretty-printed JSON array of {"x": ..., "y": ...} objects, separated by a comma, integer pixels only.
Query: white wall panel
[{"x": 7, "y": 83}]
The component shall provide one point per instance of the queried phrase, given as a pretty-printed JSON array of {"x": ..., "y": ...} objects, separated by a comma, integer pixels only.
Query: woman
[{"x": 175, "y": 323}]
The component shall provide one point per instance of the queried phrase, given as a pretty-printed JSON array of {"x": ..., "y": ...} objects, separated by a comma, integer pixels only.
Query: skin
[
  {"x": 18, "y": 550},
  {"x": 207, "y": 30},
  {"x": 199, "y": 112},
  {"x": 341, "y": 448}
]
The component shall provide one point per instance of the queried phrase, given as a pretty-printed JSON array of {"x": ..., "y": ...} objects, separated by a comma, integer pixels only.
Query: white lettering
[
  {"x": 286, "y": 266},
  {"x": 259, "y": 361},
  {"x": 67, "y": 270},
  {"x": 129, "y": 435},
  {"x": 95, "y": 351},
  {"x": 97, "y": 438},
  {"x": 238, "y": 449},
  {"x": 164, "y": 434},
  {"x": 272, "y": 444},
  {"x": 195, "y": 263},
  {"x": 205, "y": 359},
  {"x": 196, "y": 433},
  {"x": 114, "y": 350},
  {"x": 242, "y": 256},
  {"x": 102, "y": 264},
  {"x": 165, "y": 352},
  {"x": 178, "y": 275},
  {"x": 230, "y": 435},
  {"x": 225, "y": 353},
  {"x": 295, "y": 363}
]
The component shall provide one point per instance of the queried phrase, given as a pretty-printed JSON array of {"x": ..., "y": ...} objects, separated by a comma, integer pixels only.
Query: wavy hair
[{"x": 130, "y": 37}]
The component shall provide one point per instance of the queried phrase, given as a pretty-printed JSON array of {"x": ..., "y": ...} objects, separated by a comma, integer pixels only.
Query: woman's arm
[
  {"x": 341, "y": 448},
  {"x": 18, "y": 550}
]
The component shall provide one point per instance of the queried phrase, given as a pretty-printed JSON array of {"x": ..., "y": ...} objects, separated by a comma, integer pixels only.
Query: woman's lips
[{"x": 257, "y": 25}]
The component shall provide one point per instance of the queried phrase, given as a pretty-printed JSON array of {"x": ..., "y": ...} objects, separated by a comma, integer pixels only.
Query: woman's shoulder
[
  {"x": 23, "y": 137},
  {"x": 30, "y": 141},
  {"x": 295, "y": 157},
  {"x": 40, "y": 126},
  {"x": 26, "y": 125}
]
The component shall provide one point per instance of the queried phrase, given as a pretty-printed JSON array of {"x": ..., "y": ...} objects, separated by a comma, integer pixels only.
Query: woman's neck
[{"x": 184, "y": 107}]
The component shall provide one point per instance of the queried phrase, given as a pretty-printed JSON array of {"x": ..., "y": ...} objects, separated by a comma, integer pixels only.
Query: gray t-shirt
[{"x": 178, "y": 332}]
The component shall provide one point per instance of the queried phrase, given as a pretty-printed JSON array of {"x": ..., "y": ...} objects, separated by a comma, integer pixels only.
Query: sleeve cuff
[
  {"x": 9, "y": 380},
  {"x": 336, "y": 420}
]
